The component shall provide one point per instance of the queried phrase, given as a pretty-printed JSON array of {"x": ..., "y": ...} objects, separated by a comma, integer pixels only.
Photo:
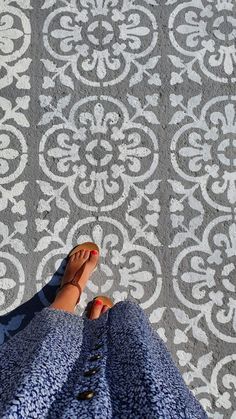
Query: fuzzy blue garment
[{"x": 42, "y": 369}]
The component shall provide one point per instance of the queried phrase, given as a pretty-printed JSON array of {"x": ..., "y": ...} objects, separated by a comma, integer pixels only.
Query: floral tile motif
[
  {"x": 110, "y": 142},
  {"x": 15, "y": 38},
  {"x": 117, "y": 125},
  {"x": 203, "y": 32},
  {"x": 210, "y": 138},
  {"x": 100, "y": 41}
]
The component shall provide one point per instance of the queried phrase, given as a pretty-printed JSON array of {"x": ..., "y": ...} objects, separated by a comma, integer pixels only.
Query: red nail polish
[
  {"x": 94, "y": 252},
  {"x": 98, "y": 302}
]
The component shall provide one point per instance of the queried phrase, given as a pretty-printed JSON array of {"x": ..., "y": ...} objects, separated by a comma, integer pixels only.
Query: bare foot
[
  {"x": 80, "y": 266},
  {"x": 97, "y": 309}
]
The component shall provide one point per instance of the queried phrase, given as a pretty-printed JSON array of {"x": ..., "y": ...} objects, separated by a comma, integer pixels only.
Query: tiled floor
[{"x": 118, "y": 125}]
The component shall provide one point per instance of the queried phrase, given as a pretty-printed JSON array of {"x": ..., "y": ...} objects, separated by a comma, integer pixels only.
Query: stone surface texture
[{"x": 118, "y": 126}]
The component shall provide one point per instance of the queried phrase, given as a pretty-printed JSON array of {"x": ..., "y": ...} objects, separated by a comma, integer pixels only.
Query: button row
[{"x": 89, "y": 394}]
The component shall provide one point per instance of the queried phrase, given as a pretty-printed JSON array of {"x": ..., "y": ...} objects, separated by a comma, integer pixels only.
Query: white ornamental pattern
[
  {"x": 100, "y": 41},
  {"x": 205, "y": 32},
  {"x": 123, "y": 262},
  {"x": 15, "y": 37},
  {"x": 99, "y": 153},
  {"x": 208, "y": 155},
  {"x": 126, "y": 137},
  {"x": 210, "y": 276}
]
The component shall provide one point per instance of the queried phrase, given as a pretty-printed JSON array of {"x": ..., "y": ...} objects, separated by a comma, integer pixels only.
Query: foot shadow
[{"x": 17, "y": 319}]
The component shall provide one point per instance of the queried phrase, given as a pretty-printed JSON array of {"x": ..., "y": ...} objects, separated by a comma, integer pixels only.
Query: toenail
[
  {"x": 94, "y": 252},
  {"x": 98, "y": 302}
]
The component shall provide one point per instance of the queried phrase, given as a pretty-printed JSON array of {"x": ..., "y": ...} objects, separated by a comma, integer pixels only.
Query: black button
[
  {"x": 95, "y": 357},
  {"x": 86, "y": 395},
  {"x": 91, "y": 372},
  {"x": 100, "y": 345}
]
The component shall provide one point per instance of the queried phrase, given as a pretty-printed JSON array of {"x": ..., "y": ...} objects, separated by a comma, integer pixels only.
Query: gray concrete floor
[{"x": 118, "y": 126}]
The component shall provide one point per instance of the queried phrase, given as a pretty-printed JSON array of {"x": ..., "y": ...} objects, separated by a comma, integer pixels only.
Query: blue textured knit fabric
[{"x": 42, "y": 366}]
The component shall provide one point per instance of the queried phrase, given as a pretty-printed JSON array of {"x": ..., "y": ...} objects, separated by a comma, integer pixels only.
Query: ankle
[{"x": 66, "y": 298}]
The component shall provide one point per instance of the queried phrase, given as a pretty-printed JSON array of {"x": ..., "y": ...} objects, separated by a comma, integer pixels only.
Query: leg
[{"x": 66, "y": 299}]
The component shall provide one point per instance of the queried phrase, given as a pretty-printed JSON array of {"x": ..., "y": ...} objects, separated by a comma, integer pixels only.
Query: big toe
[
  {"x": 93, "y": 257},
  {"x": 96, "y": 309}
]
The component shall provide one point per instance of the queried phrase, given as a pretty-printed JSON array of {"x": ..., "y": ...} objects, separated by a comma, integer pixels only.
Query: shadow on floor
[{"x": 16, "y": 320}]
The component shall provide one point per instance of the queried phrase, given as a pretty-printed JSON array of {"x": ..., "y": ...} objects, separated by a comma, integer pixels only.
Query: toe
[
  {"x": 76, "y": 256},
  {"x": 81, "y": 253},
  {"x": 93, "y": 256},
  {"x": 104, "y": 309},
  {"x": 96, "y": 309},
  {"x": 86, "y": 254},
  {"x": 73, "y": 258}
]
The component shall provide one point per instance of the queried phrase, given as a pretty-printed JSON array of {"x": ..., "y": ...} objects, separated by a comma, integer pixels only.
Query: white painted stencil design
[{"x": 118, "y": 126}]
